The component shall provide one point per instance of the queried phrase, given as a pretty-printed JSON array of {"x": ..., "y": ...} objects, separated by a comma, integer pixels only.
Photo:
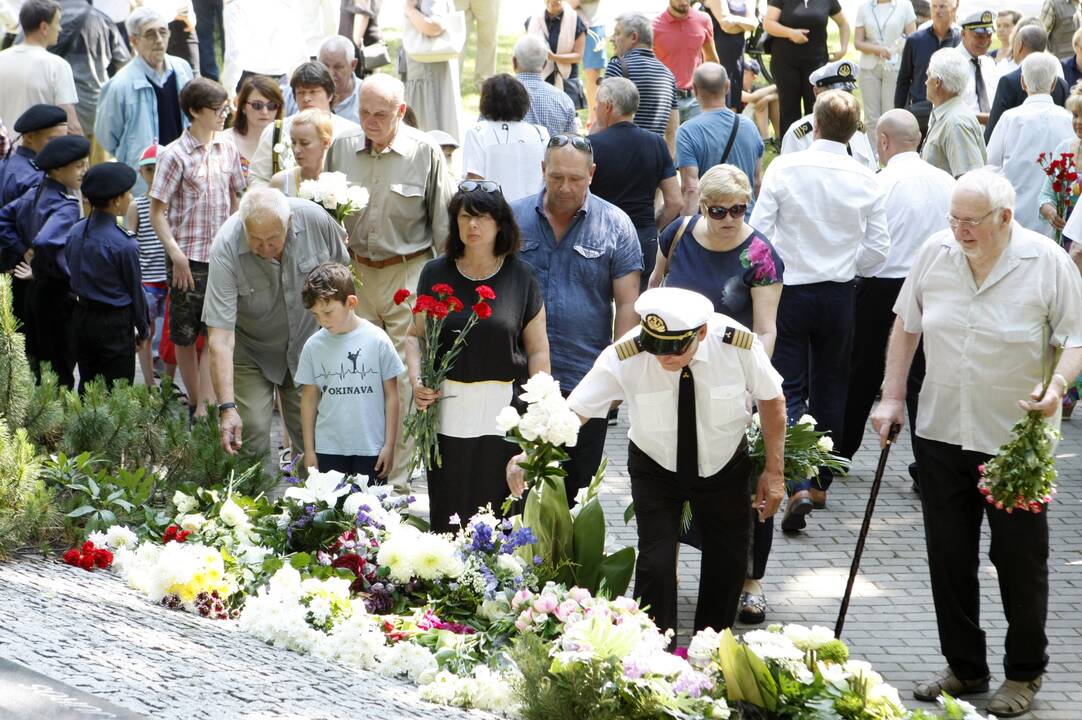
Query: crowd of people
[{"x": 611, "y": 212}]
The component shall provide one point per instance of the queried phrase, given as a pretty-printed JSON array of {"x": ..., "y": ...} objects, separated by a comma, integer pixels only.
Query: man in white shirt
[
  {"x": 1033, "y": 129},
  {"x": 337, "y": 53},
  {"x": 977, "y": 30},
  {"x": 261, "y": 37},
  {"x": 30, "y": 74},
  {"x": 917, "y": 202},
  {"x": 686, "y": 373},
  {"x": 826, "y": 217}
]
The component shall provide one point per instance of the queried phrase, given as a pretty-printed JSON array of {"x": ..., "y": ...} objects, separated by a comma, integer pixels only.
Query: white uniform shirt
[
  {"x": 984, "y": 346},
  {"x": 30, "y": 75},
  {"x": 261, "y": 165},
  {"x": 918, "y": 200},
  {"x": 1036, "y": 126},
  {"x": 989, "y": 74},
  {"x": 800, "y": 135},
  {"x": 825, "y": 215},
  {"x": 723, "y": 374}
]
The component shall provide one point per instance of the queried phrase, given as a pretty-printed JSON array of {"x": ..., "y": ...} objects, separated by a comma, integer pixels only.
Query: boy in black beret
[
  {"x": 37, "y": 126},
  {"x": 110, "y": 308}
]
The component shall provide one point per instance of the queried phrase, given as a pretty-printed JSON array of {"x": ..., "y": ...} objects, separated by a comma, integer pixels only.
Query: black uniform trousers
[
  {"x": 791, "y": 70},
  {"x": 953, "y": 511},
  {"x": 52, "y": 306},
  {"x": 815, "y": 338},
  {"x": 585, "y": 457},
  {"x": 105, "y": 338},
  {"x": 720, "y": 506}
]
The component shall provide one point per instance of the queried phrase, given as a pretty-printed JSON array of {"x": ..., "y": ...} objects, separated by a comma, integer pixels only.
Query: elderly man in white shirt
[
  {"x": 826, "y": 217},
  {"x": 990, "y": 300},
  {"x": 918, "y": 199},
  {"x": 1026, "y": 132}
]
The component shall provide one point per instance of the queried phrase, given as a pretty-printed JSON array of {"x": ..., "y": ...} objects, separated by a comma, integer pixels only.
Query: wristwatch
[{"x": 227, "y": 406}]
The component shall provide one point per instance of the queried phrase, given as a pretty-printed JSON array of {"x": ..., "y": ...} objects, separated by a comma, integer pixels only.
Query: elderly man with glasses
[
  {"x": 587, "y": 257},
  {"x": 991, "y": 300}
]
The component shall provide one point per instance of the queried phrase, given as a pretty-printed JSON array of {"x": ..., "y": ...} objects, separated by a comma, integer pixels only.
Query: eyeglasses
[
  {"x": 260, "y": 106},
  {"x": 718, "y": 212},
  {"x": 153, "y": 34},
  {"x": 577, "y": 141},
  {"x": 959, "y": 222},
  {"x": 223, "y": 111},
  {"x": 485, "y": 185}
]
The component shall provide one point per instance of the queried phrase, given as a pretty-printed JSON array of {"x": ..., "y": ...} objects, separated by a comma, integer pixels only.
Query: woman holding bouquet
[
  {"x": 310, "y": 135},
  {"x": 503, "y": 349}
]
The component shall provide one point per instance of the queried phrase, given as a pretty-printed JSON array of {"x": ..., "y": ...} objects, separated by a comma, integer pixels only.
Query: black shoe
[
  {"x": 614, "y": 416},
  {"x": 915, "y": 476},
  {"x": 799, "y": 505}
]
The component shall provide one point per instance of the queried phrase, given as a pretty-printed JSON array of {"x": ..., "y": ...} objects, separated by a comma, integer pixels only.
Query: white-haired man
[
  {"x": 336, "y": 53},
  {"x": 991, "y": 300},
  {"x": 1027, "y": 132},
  {"x": 406, "y": 221},
  {"x": 549, "y": 107},
  {"x": 256, "y": 319},
  {"x": 955, "y": 142}
]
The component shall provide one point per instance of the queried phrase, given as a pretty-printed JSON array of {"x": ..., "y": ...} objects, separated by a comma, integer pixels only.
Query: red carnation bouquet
[
  {"x": 1064, "y": 176},
  {"x": 422, "y": 425},
  {"x": 88, "y": 557}
]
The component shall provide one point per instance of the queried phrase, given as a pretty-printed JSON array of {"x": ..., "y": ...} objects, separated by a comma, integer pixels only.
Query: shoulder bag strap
[
  {"x": 732, "y": 137},
  {"x": 276, "y": 138},
  {"x": 672, "y": 248}
]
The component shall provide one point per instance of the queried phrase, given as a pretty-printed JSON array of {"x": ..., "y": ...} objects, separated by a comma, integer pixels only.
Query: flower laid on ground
[
  {"x": 334, "y": 192},
  {"x": 177, "y": 573},
  {"x": 437, "y": 361},
  {"x": 88, "y": 556}
]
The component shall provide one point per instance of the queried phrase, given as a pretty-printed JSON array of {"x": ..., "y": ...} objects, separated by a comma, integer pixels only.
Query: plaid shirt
[
  {"x": 198, "y": 183},
  {"x": 548, "y": 106}
]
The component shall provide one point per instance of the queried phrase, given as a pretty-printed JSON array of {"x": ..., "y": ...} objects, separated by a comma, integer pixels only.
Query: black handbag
[{"x": 573, "y": 89}]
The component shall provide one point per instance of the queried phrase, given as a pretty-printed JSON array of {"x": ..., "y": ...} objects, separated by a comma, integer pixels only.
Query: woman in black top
[
  {"x": 729, "y": 42},
  {"x": 500, "y": 354},
  {"x": 799, "y": 32}
]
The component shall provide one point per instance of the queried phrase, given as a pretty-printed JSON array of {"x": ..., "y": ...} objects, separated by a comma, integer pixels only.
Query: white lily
[{"x": 325, "y": 487}]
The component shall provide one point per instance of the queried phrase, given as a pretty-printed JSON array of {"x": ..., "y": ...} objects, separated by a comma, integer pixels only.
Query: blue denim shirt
[{"x": 576, "y": 277}]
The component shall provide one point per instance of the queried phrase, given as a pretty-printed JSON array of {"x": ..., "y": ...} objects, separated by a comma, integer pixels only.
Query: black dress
[
  {"x": 730, "y": 49},
  {"x": 792, "y": 63},
  {"x": 487, "y": 375}
]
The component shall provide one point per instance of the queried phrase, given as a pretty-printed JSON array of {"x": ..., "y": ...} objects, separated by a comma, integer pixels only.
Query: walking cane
[{"x": 894, "y": 430}]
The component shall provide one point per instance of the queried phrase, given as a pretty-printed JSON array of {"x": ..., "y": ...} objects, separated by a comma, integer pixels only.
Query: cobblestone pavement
[{"x": 91, "y": 632}]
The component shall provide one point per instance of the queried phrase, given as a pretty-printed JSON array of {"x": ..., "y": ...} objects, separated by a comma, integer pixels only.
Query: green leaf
[
  {"x": 589, "y": 544},
  {"x": 272, "y": 565},
  {"x": 300, "y": 561},
  {"x": 95, "y": 491},
  {"x": 128, "y": 507},
  {"x": 615, "y": 572},
  {"x": 629, "y": 512},
  {"x": 80, "y": 511}
]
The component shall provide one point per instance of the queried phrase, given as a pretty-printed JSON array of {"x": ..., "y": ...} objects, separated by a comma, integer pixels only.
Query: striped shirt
[
  {"x": 151, "y": 252},
  {"x": 656, "y": 84}
]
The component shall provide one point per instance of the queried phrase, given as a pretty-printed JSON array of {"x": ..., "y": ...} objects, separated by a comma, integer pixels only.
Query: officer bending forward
[{"x": 685, "y": 374}]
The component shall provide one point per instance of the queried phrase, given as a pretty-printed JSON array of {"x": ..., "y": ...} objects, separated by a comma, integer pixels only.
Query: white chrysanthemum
[
  {"x": 98, "y": 538},
  {"x": 192, "y": 523},
  {"x": 233, "y": 514},
  {"x": 540, "y": 386},
  {"x": 563, "y": 428},
  {"x": 119, "y": 536},
  {"x": 508, "y": 419},
  {"x": 703, "y": 646},
  {"x": 397, "y": 553},
  {"x": 409, "y": 659},
  {"x": 184, "y": 503},
  {"x": 772, "y": 646},
  {"x": 532, "y": 425}
]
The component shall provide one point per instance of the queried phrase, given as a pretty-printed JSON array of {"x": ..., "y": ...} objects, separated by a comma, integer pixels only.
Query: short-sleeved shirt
[
  {"x": 576, "y": 277},
  {"x": 810, "y": 15},
  {"x": 631, "y": 163},
  {"x": 260, "y": 299},
  {"x": 884, "y": 24},
  {"x": 349, "y": 369},
  {"x": 701, "y": 142},
  {"x": 548, "y": 106},
  {"x": 678, "y": 42},
  {"x": 984, "y": 347},
  {"x": 198, "y": 182},
  {"x": 509, "y": 153},
  {"x": 726, "y": 277},
  {"x": 655, "y": 83},
  {"x": 955, "y": 141},
  {"x": 30, "y": 75}
]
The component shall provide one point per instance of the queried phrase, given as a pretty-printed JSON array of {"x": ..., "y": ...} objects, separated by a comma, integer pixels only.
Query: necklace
[{"x": 463, "y": 273}]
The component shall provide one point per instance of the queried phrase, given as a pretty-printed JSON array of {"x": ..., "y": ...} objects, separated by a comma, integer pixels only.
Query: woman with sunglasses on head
[
  {"x": 717, "y": 254},
  {"x": 259, "y": 103},
  {"x": 502, "y": 352}
]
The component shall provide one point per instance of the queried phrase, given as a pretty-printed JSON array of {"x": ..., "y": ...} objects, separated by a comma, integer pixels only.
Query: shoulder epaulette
[
  {"x": 738, "y": 338},
  {"x": 803, "y": 129},
  {"x": 628, "y": 348}
]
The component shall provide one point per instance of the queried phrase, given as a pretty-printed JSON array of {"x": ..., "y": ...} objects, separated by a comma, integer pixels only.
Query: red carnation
[
  {"x": 454, "y": 303},
  {"x": 183, "y": 535},
  {"x": 1040, "y": 158},
  {"x": 439, "y": 309},
  {"x": 1057, "y": 186},
  {"x": 170, "y": 534},
  {"x": 483, "y": 310},
  {"x": 424, "y": 303},
  {"x": 1072, "y": 176},
  {"x": 400, "y": 295},
  {"x": 443, "y": 289},
  {"x": 485, "y": 292},
  {"x": 86, "y": 562},
  {"x": 88, "y": 547},
  {"x": 352, "y": 562},
  {"x": 71, "y": 557},
  {"x": 103, "y": 558}
]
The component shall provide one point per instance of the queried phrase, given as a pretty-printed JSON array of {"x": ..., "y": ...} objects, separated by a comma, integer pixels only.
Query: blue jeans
[{"x": 208, "y": 25}]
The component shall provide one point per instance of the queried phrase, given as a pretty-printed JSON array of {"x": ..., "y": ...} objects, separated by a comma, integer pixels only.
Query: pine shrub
[{"x": 16, "y": 380}]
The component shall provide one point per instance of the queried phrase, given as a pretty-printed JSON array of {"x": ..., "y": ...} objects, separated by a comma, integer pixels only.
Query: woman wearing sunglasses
[
  {"x": 717, "y": 254},
  {"x": 502, "y": 352},
  {"x": 259, "y": 103}
]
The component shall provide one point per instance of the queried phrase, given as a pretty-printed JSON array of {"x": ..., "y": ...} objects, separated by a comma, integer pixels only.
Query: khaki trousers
[
  {"x": 254, "y": 395},
  {"x": 376, "y": 304},
  {"x": 487, "y": 15}
]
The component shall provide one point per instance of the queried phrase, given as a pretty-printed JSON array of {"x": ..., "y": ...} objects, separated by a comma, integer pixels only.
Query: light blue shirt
[
  {"x": 701, "y": 141},
  {"x": 349, "y": 370}
]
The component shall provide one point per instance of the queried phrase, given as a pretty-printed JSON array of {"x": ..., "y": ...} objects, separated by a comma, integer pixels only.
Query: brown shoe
[
  {"x": 799, "y": 505},
  {"x": 1013, "y": 698},
  {"x": 948, "y": 682},
  {"x": 818, "y": 498}
]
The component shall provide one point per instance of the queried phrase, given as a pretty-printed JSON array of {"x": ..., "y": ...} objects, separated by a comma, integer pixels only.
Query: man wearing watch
[{"x": 256, "y": 319}]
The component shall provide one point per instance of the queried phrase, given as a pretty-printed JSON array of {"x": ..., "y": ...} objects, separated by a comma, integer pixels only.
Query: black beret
[
  {"x": 62, "y": 151},
  {"x": 106, "y": 181},
  {"x": 39, "y": 117}
]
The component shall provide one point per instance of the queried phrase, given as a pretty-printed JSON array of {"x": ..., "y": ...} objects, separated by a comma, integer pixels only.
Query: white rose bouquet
[{"x": 334, "y": 192}]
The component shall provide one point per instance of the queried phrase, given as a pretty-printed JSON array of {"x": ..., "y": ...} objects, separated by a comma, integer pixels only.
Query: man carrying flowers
[
  {"x": 990, "y": 299},
  {"x": 685, "y": 373}
]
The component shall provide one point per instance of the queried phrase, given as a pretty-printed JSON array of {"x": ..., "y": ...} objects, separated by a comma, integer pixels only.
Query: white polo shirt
[{"x": 724, "y": 374}]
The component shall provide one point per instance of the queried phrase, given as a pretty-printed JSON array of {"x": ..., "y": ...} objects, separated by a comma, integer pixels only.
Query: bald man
[{"x": 918, "y": 199}]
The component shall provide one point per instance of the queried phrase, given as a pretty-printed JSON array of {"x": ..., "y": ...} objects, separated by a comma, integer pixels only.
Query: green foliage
[
  {"x": 16, "y": 381},
  {"x": 45, "y": 419},
  {"x": 26, "y": 504},
  {"x": 196, "y": 456},
  {"x": 94, "y": 498},
  {"x": 747, "y": 677}
]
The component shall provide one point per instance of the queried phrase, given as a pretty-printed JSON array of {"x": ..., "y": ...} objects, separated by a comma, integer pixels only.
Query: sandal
[
  {"x": 948, "y": 682},
  {"x": 752, "y": 608},
  {"x": 1013, "y": 698}
]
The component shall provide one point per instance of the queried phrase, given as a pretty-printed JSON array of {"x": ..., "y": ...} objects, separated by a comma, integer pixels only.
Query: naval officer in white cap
[{"x": 685, "y": 373}]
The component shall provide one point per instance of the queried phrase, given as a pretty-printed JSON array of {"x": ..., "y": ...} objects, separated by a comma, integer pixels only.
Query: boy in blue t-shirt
[{"x": 348, "y": 372}]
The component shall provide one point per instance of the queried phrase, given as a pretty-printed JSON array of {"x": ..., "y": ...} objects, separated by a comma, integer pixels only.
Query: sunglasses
[
  {"x": 260, "y": 106},
  {"x": 485, "y": 185},
  {"x": 718, "y": 212},
  {"x": 577, "y": 141}
]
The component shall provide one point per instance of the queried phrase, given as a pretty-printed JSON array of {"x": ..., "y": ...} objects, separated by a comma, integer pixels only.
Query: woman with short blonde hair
[
  {"x": 310, "y": 135},
  {"x": 724, "y": 182}
]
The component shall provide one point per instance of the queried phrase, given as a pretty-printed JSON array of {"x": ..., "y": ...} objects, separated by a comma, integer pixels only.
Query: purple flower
[
  {"x": 482, "y": 538},
  {"x": 536, "y": 559},
  {"x": 692, "y": 683},
  {"x": 633, "y": 670},
  {"x": 762, "y": 260},
  {"x": 518, "y": 538}
]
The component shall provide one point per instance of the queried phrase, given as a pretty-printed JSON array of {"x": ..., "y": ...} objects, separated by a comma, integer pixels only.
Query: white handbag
[{"x": 445, "y": 46}]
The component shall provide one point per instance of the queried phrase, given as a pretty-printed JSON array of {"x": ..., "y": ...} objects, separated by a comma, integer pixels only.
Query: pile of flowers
[{"x": 89, "y": 556}]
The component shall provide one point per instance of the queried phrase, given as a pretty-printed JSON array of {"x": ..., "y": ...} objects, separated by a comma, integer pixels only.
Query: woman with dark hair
[
  {"x": 502, "y": 147},
  {"x": 259, "y": 103},
  {"x": 500, "y": 354}
]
